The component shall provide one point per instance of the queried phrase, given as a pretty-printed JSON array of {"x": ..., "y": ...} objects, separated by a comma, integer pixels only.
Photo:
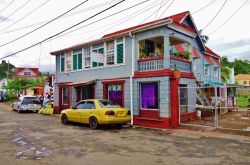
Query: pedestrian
[
  {"x": 41, "y": 99},
  {"x": 46, "y": 100}
]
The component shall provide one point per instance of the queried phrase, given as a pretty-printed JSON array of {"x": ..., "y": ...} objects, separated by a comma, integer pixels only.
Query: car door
[
  {"x": 87, "y": 111},
  {"x": 75, "y": 113}
]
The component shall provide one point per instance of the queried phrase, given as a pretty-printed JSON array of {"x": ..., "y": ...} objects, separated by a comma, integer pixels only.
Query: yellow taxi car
[{"x": 96, "y": 112}]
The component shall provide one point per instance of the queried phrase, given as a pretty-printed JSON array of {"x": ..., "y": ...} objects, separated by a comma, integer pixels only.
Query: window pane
[
  {"x": 115, "y": 93},
  {"x": 110, "y": 53},
  {"x": 74, "y": 62},
  {"x": 62, "y": 64},
  {"x": 80, "y": 61},
  {"x": 119, "y": 53},
  {"x": 68, "y": 61},
  {"x": 149, "y": 95}
]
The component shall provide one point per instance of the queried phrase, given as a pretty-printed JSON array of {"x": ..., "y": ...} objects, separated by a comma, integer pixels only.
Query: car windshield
[
  {"x": 108, "y": 103},
  {"x": 30, "y": 100}
]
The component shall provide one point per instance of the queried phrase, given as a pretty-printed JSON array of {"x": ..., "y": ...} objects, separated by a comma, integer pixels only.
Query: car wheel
[
  {"x": 13, "y": 109},
  {"x": 37, "y": 111},
  {"x": 18, "y": 111},
  {"x": 93, "y": 123},
  {"x": 64, "y": 119}
]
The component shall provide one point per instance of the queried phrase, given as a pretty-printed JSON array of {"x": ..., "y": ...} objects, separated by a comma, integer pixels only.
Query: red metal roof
[
  {"x": 210, "y": 52},
  {"x": 177, "y": 18},
  {"x": 208, "y": 59},
  {"x": 195, "y": 53},
  {"x": 217, "y": 62},
  {"x": 19, "y": 70}
]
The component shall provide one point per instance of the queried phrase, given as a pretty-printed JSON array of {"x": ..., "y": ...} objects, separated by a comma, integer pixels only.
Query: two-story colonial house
[{"x": 142, "y": 68}]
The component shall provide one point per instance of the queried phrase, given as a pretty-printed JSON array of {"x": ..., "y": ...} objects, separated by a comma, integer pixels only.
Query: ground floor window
[
  {"x": 115, "y": 93},
  {"x": 87, "y": 92},
  {"x": 149, "y": 95},
  {"x": 183, "y": 98},
  {"x": 65, "y": 96}
]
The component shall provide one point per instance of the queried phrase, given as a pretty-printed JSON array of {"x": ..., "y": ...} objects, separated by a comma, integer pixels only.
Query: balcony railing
[{"x": 150, "y": 64}]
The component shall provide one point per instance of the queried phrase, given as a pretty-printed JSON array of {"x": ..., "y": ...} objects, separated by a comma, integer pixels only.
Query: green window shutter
[
  {"x": 80, "y": 61},
  {"x": 119, "y": 53},
  {"x": 101, "y": 50},
  {"x": 94, "y": 64},
  {"x": 74, "y": 62},
  {"x": 62, "y": 64}
]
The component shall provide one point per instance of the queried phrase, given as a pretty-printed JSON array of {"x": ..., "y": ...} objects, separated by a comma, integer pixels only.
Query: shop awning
[
  {"x": 179, "y": 48},
  {"x": 217, "y": 62},
  {"x": 208, "y": 59},
  {"x": 196, "y": 53},
  {"x": 82, "y": 82}
]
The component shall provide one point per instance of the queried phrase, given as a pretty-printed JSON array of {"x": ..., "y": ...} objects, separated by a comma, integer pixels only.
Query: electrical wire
[
  {"x": 12, "y": 54},
  {"x": 166, "y": 9},
  {"x": 215, "y": 15},
  {"x": 152, "y": 14},
  {"x": 66, "y": 15},
  {"x": 103, "y": 18},
  {"x": 158, "y": 9},
  {"x": 15, "y": 11},
  {"x": 228, "y": 18},
  {"x": 26, "y": 15},
  {"x": 43, "y": 24},
  {"x": 6, "y": 6},
  {"x": 204, "y": 7},
  {"x": 131, "y": 16}
]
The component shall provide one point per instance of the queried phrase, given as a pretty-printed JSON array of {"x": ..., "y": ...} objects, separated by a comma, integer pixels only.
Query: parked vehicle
[
  {"x": 96, "y": 112},
  {"x": 26, "y": 103}
]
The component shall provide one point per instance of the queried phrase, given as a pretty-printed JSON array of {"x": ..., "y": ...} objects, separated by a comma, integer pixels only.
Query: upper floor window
[
  {"x": 97, "y": 57},
  {"x": 68, "y": 61},
  {"x": 152, "y": 47},
  {"x": 120, "y": 51},
  {"x": 77, "y": 59},
  {"x": 87, "y": 59},
  {"x": 179, "y": 48},
  {"x": 27, "y": 73},
  {"x": 216, "y": 72},
  {"x": 62, "y": 61},
  {"x": 207, "y": 70},
  {"x": 110, "y": 53}
]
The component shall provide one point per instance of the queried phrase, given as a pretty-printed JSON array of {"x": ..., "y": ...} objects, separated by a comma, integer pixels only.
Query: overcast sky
[{"x": 231, "y": 40}]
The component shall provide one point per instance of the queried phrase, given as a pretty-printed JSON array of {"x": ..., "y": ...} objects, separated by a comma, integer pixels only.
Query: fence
[{"x": 225, "y": 107}]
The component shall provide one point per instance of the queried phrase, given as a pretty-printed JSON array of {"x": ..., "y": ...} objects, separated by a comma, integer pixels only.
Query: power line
[
  {"x": 152, "y": 13},
  {"x": 166, "y": 9},
  {"x": 215, "y": 15},
  {"x": 7, "y": 6},
  {"x": 204, "y": 7},
  {"x": 158, "y": 9},
  {"x": 15, "y": 11},
  {"x": 63, "y": 30},
  {"x": 26, "y": 15},
  {"x": 127, "y": 18},
  {"x": 66, "y": 15},
  {"x": 229, "y": 18},
  {"x": 103, "y": 18},
  {"x": 43, "y": 24}
]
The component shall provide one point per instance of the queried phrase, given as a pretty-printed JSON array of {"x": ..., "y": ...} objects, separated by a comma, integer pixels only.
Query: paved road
[{"x": 30, "y": 138}]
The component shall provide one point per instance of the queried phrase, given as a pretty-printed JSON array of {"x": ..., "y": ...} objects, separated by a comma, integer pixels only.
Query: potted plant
[{"x": 187, "y": 55}]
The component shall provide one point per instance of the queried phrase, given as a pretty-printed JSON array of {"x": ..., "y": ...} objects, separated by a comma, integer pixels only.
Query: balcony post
[{"x": 166, "y": 61}]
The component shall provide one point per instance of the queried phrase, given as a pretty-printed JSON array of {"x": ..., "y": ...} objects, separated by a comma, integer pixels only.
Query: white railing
[{"x": 150, "y": 65}]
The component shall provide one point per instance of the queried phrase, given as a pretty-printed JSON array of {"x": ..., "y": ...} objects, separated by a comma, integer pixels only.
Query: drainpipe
[{"x": 131, "y": 78}]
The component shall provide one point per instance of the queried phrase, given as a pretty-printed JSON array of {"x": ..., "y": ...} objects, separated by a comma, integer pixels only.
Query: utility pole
[{"x": 8, "y": 71}]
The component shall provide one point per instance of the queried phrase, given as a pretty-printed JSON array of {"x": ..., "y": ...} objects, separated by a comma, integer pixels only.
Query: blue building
[{"x": 142, "y": 68}]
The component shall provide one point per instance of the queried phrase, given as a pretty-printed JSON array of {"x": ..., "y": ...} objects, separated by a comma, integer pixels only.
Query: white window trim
[
  {"x": 217, "y": 72},
  {"x": 83, "y": 59},
  {"x": 208, "y": 68}
]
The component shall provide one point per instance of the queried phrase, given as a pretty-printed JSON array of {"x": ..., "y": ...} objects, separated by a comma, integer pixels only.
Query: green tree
[{"x": 225, "y": 74}]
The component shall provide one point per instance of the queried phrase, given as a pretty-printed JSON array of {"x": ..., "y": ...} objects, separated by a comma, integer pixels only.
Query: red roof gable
[
  {"x": 19, "y": 70},
  {"x": 208, "y": 59},
  {"x": 210, "y": 52},
  {"x": 177, "y": 19}
]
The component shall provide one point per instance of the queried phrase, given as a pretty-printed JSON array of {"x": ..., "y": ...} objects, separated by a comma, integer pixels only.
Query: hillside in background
[
  {"x": 4, "y": 69},
  {"x": 240, "y": 66}
]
